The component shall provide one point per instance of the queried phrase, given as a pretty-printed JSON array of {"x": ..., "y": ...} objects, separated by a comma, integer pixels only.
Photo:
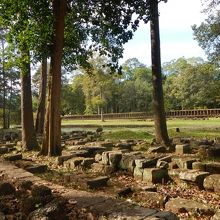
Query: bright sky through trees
[{"x": 176, "y": 19}]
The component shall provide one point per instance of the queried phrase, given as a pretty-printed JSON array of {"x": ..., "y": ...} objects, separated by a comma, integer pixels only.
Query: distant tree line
[{"x": 188, "y": 84}]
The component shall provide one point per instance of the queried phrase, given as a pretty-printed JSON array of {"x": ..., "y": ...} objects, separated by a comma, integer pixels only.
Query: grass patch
[
  {"x": 127, "y": 134},
  {"x": 144, "y": 129}
]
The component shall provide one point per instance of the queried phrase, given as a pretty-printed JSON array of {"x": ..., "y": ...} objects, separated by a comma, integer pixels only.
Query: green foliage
[
  {"x": 208, "y": 32},
  {"x": 191, "y": 84}
]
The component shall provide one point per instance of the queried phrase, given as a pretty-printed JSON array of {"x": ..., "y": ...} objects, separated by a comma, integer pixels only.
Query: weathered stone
[
  {"x": 173, "y": 165},
  {"x": 73, "y": 163},
  {"x": 102, "y": 168},
  {"x": 174, "y": 172},
  {"x": 212, "y": 183},
  {"x": 177, "y": 204},
  {"x": 40, "y": 191},
  {"x": 209, "y": 150},
  {"x": 182, "y": 149},
  {"x": 184, "y": 163},
  {"x": 6, "y": 188},
  {"x": 145, "y": 162},
  {"x": 213, "y": 167},
  {"x": 37, "y": 168},
  {"x": 115, "y": 158},
  {"x": 61, "y": 159},
  {"x": 213, "y": 152},
  {"x": 153, "y": 199},
  {"x": 6, "y": 137},
  {"x": 105, "y": 158},
  {"x": 162, "y": 164},
  {"x": 198, "y": 166},
  {"x": 52, "y": 211},
  {"x": 98, "y": 157},
  {"x": 149, "y": 188},
  {"x": 205, "y": 142},
  {"x": 124, "y": 192},
  {"x": 98, "y": 182},
  {"x": 194, "y": 176},
  {"x": 159, "y": 149},
  {"x": 3, "y": 150},
  {"x": 216, "y": 216},
  {"x": 122, "y": 145},
  {"x": 155, "y": 175},
  {"x": 138, "y": 173},
  {"x": 23, "y": 163},
  {"x": 106, "y": 145},
  {"x": 168, "y": 159},
  {"x": 80, "y": 153},
  {"x": 87, "y": 162},
  {"x": 25, "y": 185},
  {"x": 127, "y": 162},
  {"x": 80, "y": 142},
  {"x": 166, "y": 215},
  {"x": 29, "y": 204},
  {"x": 13, "y": 157}
]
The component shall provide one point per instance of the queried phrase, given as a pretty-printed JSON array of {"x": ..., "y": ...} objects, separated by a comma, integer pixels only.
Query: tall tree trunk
[
  {"x": 52, "y": 131},
  {"x": 9, "y": 105},
  {"x": 158, "y": 100},
  {"x": 29, "y": 141},
  {"x": 101, "y": 108},
  {"x": 39, "y": 125},
  {"x": 4, "y": 116}
]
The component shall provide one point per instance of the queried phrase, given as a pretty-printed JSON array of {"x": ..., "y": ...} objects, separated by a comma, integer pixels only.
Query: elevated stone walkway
[{"x": 108, "y": 207}]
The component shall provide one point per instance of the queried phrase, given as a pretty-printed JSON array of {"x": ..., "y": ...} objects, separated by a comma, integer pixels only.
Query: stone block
[
  {"x": 87, "y": 162},
  {"x": 37, "y": 168},
  {"x": 159, "y": 149},
  {"x": 73, "y": 163},
  {"x": 213, "y": 167},
  {"x": 124, "y": 192},
  {"x": 127, "y": 162},
  {"x": 122, "y": 146},
  {"x": 4, "y": 150},
  {"x": 193, "y": 176},
  {"x": 162, "y": 164},
  {"x": 145, "y": 162},
  {"x": 168, "y": 159},
  {"x": 61, "y": 159},
  {"x": 138, "y": 173},
  {"x": 98, "y": 182},
  {"x": 184, "y": 163},
  {"x": 212, "y": 183},
  {"x": 115, "y": 158},
  {"x": 182, "y": 149},
  {"x": 105, "y": 158},
  {"x": 6, "y": 188},
  {"x": 155, "y": 175},
  {"x": 102, "y": 168},
  {"x": 13, "y": 157},
  {"x": 199, "y": 166},
  {"x": 176, "y": 204},
  {"x": 98, "y": 157}
]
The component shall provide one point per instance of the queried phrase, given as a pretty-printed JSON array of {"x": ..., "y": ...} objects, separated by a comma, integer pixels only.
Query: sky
[{"x": 176, "y": 35}]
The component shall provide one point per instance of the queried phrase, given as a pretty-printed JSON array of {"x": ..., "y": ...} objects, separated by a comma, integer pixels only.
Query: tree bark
[
  {"x": 39, "y": 126},
  {"x": 4, "y": 115},
  {"x": 29, "y": 141},
  {"x": 158, "y": 100},
  {"x": 52, "y": 130}
]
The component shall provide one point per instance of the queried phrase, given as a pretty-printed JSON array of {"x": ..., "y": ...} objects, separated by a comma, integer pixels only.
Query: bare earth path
[{"x": 97, "y": 203}]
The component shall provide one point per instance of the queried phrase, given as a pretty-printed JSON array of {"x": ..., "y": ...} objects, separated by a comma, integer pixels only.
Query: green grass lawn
[{"x": 140, "y": 129}]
